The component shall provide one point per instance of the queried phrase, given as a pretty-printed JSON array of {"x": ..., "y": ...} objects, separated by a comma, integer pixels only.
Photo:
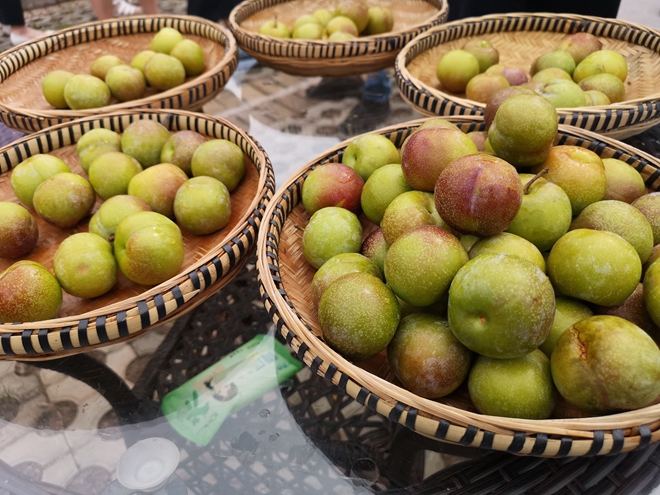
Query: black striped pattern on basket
[
  {"x": 132, "y": 320},
  {"x": 184, "y": 98},
  {"x": 520, "y": 442},
  {"x": 309, "y": 49},
  {"x": 638, "y": 117}
]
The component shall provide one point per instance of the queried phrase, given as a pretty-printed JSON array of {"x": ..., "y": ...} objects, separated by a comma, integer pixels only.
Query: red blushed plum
[
  {"x": 333, "y": 184},
  {"x": 479, "y": 138},
  {"x": 514, "y": 76},
  {"x": 580, "y": 45},
  {"x": 374, "y": 247},
  {"x": 429, "y": 151},
  {"x": 18, "y": 231},
  {"x": 478, "y": 195},
  {"x": 426, "y": 357},
  {"x": 481, "y": 88}
]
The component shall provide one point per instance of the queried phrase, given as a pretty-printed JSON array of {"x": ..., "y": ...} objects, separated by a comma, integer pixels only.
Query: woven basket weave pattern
[
  {"x": 128, "y": 309},
  {"x": 22, "y": 69},
  {"x": 285, "y": 277},
  {"x": 520, "y": 39},
  {"x": 333, "y": 58}
]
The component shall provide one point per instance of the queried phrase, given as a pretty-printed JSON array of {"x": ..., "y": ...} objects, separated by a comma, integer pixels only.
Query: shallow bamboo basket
[
  {"x": 129, "y": 309},
  {"x": 330, "y": 58},
  {"x": 23, "y": 68},
  {"x": 285, "y": 278},
  {"x": 520, "y": 39}
]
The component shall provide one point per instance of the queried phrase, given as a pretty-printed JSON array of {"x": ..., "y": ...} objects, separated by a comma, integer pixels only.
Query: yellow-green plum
[
  {"x": 165, "y": 40},
  {"x": 305, "y": 19},
  {"x": 202, "y": 205},
  {"x": 407, "y": 211},
  {"x": 595, "y": 266},
  {"x": 82, "y": 92},
  {"x": 29, "y": 293},
  {"x": 567, "y": 312},
  {"x": 506, "y": 243},
  {"x": 144, "y": 141},
  {"x": 620, "y": 218},
  {"x": 369, "y": 152},
  {"x": 105, "y": 221},
  {"x": 429, "y": 152},
  {"x": 482, "y": 87},
  {"x": 513, "y": 388},
  {"x": 180, "y": 148},
  {"x": 309, "y": 31},
  {"x": 30, "y": 173},
  {"x": 157, "y": 186},
  {"x": 324, "y": 16},
  {"x": 53, "y": 87},
  {"x": 421, "y": 264},
  {"x": 19, "y": 232},
  {"x": 563, "y": 94},
  {"x": 605, "y": 364},
  {"x": 484, "y": 52},
  {"x": 164, "y": 72},
  {"x": 85, "y": 265},
  {"x": 64, "y": 199},
  {"x": 559, "y": 59},
  {"x": 546, "y": 75},
  {"x": 426, "y": 357},
  {"x": 341, "y": 24},
  {"x": 455, "y": 70},
  {"x": 102, "y": 65},
  {"x": 331, "y": 231},
  {"x": 275, "y": 28},
  {"x": 649, "y": 205},
  {"x": 608, "y": 84},
  {"x": 545, "y": 213},
  {"x": 579, "y": 172},
  {"x": 478, "y": 194},
  {"x": 111, "y": 173},
  {"x": 340, "y": 36},
  {"x": 493, "y": 104},
  {"x": 355, "y": 10},
  {"x": 191, "y": 56},
  {"x": 358, "y": 315},
  {"x": 468, "y": 241},
  {"x": 374, "y": 247},
  {"x": 634, "y": 310},
  {"x": 435, "y": 123},
  {"x": 523, "y": 130},
  {"x": 595, "y": 98},
  {"x": 140, "y": 59},
  {"x": 220, "y": 159},
  {"x": 94, "y": 143},
  {"x": 501, "y": 306},
  {"x": 381, "y": 21},
  {"x": 332, "y": 184},
  {"x": 338, "y": 266},
  {"x": 652, "y": 292},
  {"x": 655, "y": 254},
  {"x": 148, "y": 248},
  {"x": 602, "y": 61},
  {"x": 579, "y": 45},
  {"x": 126, "y": 83},
  {"x": 384, "y": 184}
]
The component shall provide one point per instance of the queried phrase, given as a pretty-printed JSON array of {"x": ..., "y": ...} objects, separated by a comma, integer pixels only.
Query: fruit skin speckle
[
  {"x": 358, "y": 315},
  {"x": 28, "y": 292}
]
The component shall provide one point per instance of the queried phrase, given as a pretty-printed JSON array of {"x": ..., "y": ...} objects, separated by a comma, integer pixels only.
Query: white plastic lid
[{"x": 148, "y": 464}]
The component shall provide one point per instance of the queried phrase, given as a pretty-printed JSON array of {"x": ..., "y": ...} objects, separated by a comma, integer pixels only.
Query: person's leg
[
  {"x": 11, "y": 13},
  {"x": 150, "y": 7},
  {"x": 212, "y": 10},
  {"x": 102, "y": 8}
]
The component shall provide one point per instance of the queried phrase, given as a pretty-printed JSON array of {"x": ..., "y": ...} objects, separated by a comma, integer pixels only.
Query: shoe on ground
[
  {"x": 125, "y": 9},
  {"x": 365, "y": 116},
  {"x": 336, "y": 88},
  {"x": 18, "y": 39}
]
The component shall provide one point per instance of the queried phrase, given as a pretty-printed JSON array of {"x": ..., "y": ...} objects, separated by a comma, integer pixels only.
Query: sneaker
[
  {"x": 366, "y": 116},
  {"x": 336, "y": 88},
  {"x": 124, "y": 9},
  {"x": 18, "y": 39}
]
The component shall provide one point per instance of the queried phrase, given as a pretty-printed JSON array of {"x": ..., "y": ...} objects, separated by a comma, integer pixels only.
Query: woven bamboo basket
[
  {"x": 130, "y": 309},
  {"x": 520, "y": 39},
  {"x": 23, "y": 68},
  {"x": 330, "y": 58},
  {"x": 285, "y": 278}
]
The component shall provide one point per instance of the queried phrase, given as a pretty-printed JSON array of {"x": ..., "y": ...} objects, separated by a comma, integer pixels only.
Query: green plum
[
  {"x": 368, "y": 152},
  {"x": 53, "y": 87},
  {"x": 105, "y": 221},
  {"x": 165, "y": 40},
  {"x": 94, "y": 143},
  {"x": 64, "y": 199},
  {"x": 30, "y": 173},
  {"x": 506, "y": 243},
  {"x": 331, "y": 231},
  {"x": 567, "y": 312},
  {"x": 455, "y": 70},
  {"x": 338, "y": 266},
  {"x": 220, "y": 159},
  {"x": 384, "y": 184},
  {"x": 111, "y": 173},
  {"x": 202, "y": 205},
  {"x": 144, "y": 140}
]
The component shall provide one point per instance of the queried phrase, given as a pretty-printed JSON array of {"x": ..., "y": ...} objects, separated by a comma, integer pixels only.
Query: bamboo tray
[
  {"x": 129, "y": 309},
  {"x": 22, "y": 69},
  {"x": 520, "y": 39},
  {"x": 330, "y": 58},
  {"x": 285, "y": 278}
]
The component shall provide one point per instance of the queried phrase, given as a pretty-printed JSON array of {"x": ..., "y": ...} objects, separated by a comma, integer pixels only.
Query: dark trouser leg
[
  {"x": 459, "y": 9},
  {"x": 11, "y": 13},
  {"x": 213, "y": 10}
]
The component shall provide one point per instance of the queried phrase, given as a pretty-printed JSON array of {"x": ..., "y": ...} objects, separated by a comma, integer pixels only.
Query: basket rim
[
  {"x": 371, "y": 43},
  {"x": 406, "y": 80},
  {"x": 252, "y": 220},
  {"x": 228, "y": 62},
  {"x": 293, "y": 328}
]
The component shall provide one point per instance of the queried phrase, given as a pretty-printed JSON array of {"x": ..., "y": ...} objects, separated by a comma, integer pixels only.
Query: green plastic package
[{"x": 198, "y": 408}]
